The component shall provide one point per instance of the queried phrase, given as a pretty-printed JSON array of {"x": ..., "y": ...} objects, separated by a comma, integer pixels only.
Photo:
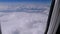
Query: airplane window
[{"x": 24, "y": 16}]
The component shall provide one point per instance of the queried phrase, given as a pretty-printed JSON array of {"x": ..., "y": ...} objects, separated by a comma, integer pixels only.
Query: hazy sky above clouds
[
  {"x": 44, "y": 1},
  {"x": 4, "y": 3}
]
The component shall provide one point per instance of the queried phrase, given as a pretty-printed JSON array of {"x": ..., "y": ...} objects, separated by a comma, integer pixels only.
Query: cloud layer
[{"x": 23, "y": 18}]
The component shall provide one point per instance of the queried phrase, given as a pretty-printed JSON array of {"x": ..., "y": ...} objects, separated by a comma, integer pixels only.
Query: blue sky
[{"x": 43, "y": 1}]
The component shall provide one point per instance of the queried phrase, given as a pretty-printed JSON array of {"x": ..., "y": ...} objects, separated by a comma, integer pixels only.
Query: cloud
[
  {"x": 23, "y": 22},
  {"x": 2, "y": 7},
  {"x": 24, "y": 7}
]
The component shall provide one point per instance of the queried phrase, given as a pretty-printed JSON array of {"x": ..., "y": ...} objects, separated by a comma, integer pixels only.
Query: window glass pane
[{"x": 24, "y": 16}]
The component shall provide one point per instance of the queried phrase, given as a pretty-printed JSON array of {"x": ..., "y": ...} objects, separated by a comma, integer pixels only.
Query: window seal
[{"x": 49, "y": 16}]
